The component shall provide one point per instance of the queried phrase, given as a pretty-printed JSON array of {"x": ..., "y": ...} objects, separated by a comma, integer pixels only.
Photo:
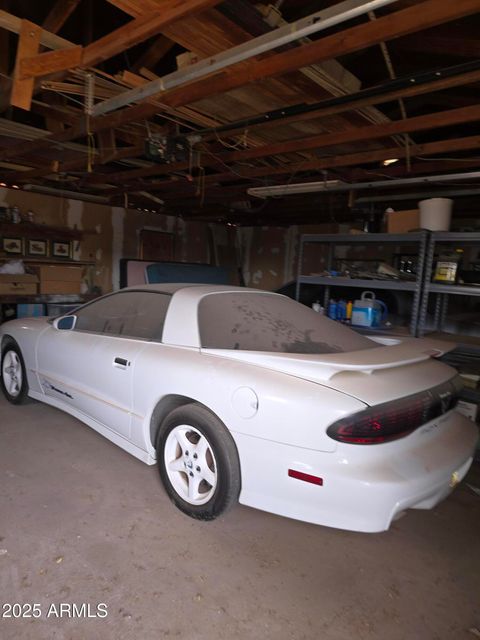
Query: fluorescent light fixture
[
  {"x": 291, "y": 189},
  {"x": 63, "y": 193},
  {"x": 333, "y": 186}
]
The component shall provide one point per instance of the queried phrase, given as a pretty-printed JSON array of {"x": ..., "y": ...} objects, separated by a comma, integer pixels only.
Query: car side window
[{"x": 132, "y": 314}]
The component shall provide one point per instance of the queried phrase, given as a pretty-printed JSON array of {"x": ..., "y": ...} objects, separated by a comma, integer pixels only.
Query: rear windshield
[{"x": 268, "y": 322}]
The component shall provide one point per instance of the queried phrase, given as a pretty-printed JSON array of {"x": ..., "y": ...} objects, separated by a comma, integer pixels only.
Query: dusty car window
[
  {"x": 133, "y": 314},
  {"x": 263, "y": 322}
]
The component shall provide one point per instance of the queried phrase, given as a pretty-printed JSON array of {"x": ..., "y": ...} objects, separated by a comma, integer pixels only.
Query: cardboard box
[
  {"x": 59, "y": 286},
  {"x": 402, "y": 221},
  {"x": 18, "y": 284},
  {"x": 59, "y": 272},
  {"x": 59, "y": 278},
  {"x": 467, "y": 409}
]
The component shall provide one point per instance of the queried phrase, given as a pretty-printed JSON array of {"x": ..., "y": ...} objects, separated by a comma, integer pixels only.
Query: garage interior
[{"x": 281, "y": 146}]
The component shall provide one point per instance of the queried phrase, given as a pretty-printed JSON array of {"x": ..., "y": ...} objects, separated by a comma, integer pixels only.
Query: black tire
[
  {"x": 219, "y": 484},
  {"x": 13, "y": 374}
]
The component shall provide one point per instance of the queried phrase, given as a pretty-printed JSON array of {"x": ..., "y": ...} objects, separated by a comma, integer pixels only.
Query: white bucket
[{"x": 435, "y": 213}]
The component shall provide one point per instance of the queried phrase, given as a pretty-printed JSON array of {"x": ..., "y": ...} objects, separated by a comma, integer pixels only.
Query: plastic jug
[{"x": 368, "y": 312}]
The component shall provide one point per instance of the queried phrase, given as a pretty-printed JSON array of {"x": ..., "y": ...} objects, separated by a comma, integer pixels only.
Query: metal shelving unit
[
  {"x": 467, "y": 351},
  {"x": 333, "y": 240},
  {"x": 443, "y": 291}
]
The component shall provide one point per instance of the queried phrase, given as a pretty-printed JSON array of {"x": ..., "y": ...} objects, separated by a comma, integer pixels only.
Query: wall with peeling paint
[
  {"x": 269, "y": 255},
  {"x": 265, "y": 256},
  {"x": 111, "y": 233}
]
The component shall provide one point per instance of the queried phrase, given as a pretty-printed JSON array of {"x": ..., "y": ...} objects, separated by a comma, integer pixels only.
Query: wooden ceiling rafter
[
  {"x": 155, "y": 52},
  {"x": 375, "y": 131},
  {"x": 59, "y": 14},
  {"x": 411, "y": 125},
  {"x": 135, "y": 31},
  {"x": 328, "y": 162},
  {"x": 49, "y": 40},
  {"x": 271, "y": 160},
  {"x": 438, "y": 83},
  {"x": 425, "y": 15},
  {"x": 441, "y": 45}
]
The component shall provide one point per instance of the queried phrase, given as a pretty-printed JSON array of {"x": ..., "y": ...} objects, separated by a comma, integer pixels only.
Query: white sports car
[{"x": 241, "y": 394}]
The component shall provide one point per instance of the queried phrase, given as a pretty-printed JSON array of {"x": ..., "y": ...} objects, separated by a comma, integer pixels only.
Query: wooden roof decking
[{"x": 338, "y": 139}]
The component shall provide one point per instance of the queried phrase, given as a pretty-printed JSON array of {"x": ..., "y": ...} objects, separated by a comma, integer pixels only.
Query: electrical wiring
[{"x": 241, "y": 144}]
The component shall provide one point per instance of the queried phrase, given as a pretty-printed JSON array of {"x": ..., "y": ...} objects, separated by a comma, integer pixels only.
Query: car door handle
[{"x": 121, "y": 363}]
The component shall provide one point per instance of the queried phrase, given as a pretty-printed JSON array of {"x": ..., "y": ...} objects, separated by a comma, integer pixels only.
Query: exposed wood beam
[
  {"x": 420, "y": 167},
  {"x": 28, "y": 44},
  {"x": 70, "y": 115},
  {"x": 50, "y": 40},
  {"x": 367, "y": 157},
  {"x": 77, "y": 164},
  {"x": 441, "y": 45},
  {"x": 372, "y": 132},
  {"x": 419, "y": 123},
  {"x": 155, "y": 52},
  {"x": 142, "y": 28},
  {"x": 50, "y": 62},
  {"x": 423, "y": 16},
  {"x": 107, "y": 146},
  {"x": 130, "y": 34},
  {"x": 135, "y": 8},
  {"x": 53, "y": 112},
  {"x": 329, "y": 162},
  {"x": 437, "y": 84},
  {"x": 5, "y": 81},
  {"x": 59, "y": 14},
  {"x": 48, "y": 167},
  {"x": 4, "y": 44}
]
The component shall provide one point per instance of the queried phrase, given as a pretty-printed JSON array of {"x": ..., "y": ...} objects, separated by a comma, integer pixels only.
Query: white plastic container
[{"x": 435, "y": 213}]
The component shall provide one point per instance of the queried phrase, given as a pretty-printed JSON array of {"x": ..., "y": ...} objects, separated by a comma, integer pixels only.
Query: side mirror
[{"x": 65, "y": 323}]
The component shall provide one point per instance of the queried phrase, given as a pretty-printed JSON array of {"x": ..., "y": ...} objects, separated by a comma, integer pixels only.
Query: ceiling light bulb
[{"x": 390, "y": 161}]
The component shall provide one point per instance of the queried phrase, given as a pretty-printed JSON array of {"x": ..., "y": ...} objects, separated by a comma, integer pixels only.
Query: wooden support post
[{"x": 28, "y": 44}]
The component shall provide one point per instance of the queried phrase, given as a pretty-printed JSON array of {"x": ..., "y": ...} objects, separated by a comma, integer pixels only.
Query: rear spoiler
[{"x": 323, "y": 367}]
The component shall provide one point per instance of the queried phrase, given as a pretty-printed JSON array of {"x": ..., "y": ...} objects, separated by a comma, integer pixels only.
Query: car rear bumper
[{"x": 364, "y": 487}]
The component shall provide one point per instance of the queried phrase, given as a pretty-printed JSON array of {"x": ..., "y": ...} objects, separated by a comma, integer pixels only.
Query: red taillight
[
  {"x": 306, "y": 477},
  {"x": 398, "y": 418}
]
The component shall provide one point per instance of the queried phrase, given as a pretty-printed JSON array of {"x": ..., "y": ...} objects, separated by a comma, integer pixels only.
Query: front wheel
[
  {"x": 198, "y": 462},
  {"x": 14, "y": 377}
]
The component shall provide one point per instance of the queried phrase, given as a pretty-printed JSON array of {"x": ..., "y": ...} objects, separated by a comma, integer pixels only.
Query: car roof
[{"x": 181, "y": 322}]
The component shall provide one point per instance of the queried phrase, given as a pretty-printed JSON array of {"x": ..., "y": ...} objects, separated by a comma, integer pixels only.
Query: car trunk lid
[{"x": 371, "y": 375}]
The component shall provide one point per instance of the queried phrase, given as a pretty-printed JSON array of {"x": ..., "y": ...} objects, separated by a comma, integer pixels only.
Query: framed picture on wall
[
  {"x": 12, "y": 245},
  {"x": 37, "y": 247},
  {"x": 61, "y": 249}
]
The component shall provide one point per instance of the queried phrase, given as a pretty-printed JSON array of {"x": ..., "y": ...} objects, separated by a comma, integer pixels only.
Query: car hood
[{"x": 373, "y": 375}]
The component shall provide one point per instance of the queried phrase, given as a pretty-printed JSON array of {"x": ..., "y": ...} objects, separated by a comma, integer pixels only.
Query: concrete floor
[{"x": 83, "y": 522}]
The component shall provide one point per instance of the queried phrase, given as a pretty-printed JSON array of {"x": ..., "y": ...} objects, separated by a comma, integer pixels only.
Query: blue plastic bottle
[
  {"x": 332, "y": 309},
  {"x": 341, "y": 310}
]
